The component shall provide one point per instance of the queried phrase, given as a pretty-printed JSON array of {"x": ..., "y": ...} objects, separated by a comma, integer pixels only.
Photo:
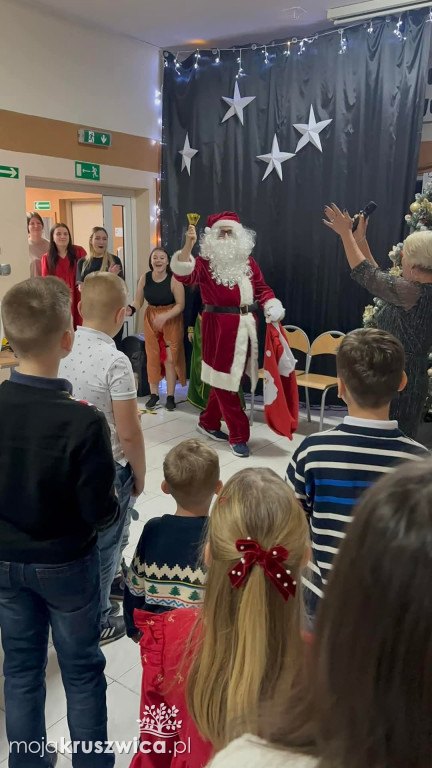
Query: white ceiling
[{"x": 178, "y": 23}]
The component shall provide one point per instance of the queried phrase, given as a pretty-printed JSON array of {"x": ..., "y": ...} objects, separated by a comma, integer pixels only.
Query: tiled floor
[{"x": 162, "y": 431}]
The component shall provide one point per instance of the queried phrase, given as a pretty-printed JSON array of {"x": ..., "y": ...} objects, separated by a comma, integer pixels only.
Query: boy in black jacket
[{"x": 56, "y": 491}]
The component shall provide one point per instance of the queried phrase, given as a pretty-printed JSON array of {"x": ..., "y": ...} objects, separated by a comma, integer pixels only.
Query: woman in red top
[
  {"x": 206, "y": 672},
  {"x": 61, "y": 261}
]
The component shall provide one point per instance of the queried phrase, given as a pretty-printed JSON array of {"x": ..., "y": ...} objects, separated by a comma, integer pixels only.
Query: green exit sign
[
  {"x": 90, "y": 171},
  {"x": 42, "y": 205},
  {"x": 98, "y": 138},
  {"x": 9, "y": 172}
]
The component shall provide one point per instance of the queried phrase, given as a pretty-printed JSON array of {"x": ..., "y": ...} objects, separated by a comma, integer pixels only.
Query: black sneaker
[
  {"x": 112, "y": 630},
  {"x": 115, "y": 608},
  {"x": 151, "y": 402},
  {"x": 117, "y": 589},
  {"x": 170, "y": 403}
]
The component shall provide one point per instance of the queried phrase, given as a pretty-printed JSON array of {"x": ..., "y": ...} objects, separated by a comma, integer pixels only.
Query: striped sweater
[{"x": 329, "y": 472}]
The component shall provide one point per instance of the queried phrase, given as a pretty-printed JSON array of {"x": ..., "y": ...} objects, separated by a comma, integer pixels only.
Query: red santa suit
[{"x": 229, "y": 341}]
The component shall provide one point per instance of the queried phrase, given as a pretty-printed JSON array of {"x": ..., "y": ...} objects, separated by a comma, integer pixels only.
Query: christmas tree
[
  {"x": 175, "y": 592},
  {"x": 153, "y": 590},
  {"x": 419, "y": 220},
  {"x": 194, "y": 595}
]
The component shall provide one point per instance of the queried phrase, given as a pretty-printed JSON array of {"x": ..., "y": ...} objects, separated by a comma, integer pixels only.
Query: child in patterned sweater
[{"x": 166, "y": 570}]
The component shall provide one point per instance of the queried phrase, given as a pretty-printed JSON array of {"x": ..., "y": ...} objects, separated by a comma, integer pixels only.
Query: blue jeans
[
  {"x": 109, "y": 541},
  {"x": 67, "y": 596}
]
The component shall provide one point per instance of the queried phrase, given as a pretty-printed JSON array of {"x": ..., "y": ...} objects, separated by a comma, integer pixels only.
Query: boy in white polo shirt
[{"x": 102, "y": 375}]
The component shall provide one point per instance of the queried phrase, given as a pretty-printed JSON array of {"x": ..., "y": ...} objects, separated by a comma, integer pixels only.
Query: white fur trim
[
  {"x": 231, "y": 381},
  {"x": 287, "y": 361},
  {"x": 182, "y": 268},
  {"x": 235, "y": 225},
  {"x": 246, "y": 290}
]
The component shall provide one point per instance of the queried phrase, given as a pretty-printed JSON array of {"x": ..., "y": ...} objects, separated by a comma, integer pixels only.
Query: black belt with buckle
[{"x": 243, "y": 309}]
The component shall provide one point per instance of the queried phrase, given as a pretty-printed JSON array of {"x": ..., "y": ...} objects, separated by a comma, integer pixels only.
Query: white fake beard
[{"x": 229, "y": 256}]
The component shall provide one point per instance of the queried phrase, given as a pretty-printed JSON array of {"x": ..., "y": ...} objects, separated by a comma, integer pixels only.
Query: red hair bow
[{"x": 271, "y": 562}]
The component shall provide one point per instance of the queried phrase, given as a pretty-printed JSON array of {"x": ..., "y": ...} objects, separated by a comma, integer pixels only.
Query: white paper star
[
  {"x": 311, "y": 131},
  {"x": 187, "y": 154},
  {"x": 275, "y": 159},
  {"x": 237, "y": 104}
]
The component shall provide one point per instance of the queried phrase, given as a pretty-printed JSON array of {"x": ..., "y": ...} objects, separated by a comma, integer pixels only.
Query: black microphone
[{"x": 366, "y": 212}]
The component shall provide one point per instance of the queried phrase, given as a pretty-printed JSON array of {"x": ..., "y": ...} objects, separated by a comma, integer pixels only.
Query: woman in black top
[
  {"x": 163, "y": 326},
  {"x": 407, "y": 312},
  {"x": 99, "y": 259}
]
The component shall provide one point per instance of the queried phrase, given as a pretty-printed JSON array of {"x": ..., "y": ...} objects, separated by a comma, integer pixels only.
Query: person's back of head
[
  {"x": 191, "y": 475},
  {"x": 37, "y": 318},
  {"x": 374, "y": 631},
  {"x": 370, "y": 368},
  {"x": 368, "y": 702},
  {"x": 103, "y": 302},
  {"x": 417, "y": 251},
  {"x": 249, "y": 640}
]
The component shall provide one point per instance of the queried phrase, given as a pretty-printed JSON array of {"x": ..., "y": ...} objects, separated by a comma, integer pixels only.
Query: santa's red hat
[{"x": 224, "y": 219}]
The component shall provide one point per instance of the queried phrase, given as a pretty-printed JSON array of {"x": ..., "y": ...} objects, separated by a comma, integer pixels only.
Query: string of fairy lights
[{"x": 294, "y": 46}]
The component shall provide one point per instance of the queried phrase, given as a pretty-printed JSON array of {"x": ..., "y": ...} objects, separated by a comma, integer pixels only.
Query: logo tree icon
[
  {"x": 194, "y": 596},
  {"x": 153, "y": 590},
  {"x": 175, "y": 592}
]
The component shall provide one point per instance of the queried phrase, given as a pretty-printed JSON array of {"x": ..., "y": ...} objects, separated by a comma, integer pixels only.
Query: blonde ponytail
[{"x": 250, "y": 642}]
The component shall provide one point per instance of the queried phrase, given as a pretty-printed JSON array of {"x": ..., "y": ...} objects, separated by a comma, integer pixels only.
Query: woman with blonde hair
[
  {"x": 407, "y": 311},
  {"x": 99, "y": 259},
  {"x": 246, "y": 642}
]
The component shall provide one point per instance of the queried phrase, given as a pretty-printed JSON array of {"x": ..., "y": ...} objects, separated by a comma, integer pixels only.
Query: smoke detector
[{"x": 296, "y": 13}]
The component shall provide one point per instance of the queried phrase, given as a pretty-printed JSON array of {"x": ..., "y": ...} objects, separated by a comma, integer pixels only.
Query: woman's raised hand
[
  {"x": 115, "y": 269},
  {"x": 360, "y": 233},
  {"x": 340, "y": 222}
]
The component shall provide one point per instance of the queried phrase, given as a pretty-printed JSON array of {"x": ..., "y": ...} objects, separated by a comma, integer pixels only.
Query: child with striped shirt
[{"x": 330, "y": 470}]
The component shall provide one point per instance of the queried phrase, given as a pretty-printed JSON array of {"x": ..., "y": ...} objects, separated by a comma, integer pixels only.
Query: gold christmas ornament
[
  {"x": 193, "y": 218},
  {"x": 414, "y": 207}
]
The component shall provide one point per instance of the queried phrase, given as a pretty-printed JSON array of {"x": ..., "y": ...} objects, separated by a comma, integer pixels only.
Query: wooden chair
[
  {"x": 297, "y": 339},
  {"x": 325, "y": 344}
]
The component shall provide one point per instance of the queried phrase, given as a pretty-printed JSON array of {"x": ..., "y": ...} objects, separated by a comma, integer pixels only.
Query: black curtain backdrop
[{"x": 374, "y": 95}]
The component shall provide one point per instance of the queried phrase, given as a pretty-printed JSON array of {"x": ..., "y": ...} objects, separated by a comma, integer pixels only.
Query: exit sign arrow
[
  {"x": 87, "y": 171},
  {"x": 9, "y": 171}
]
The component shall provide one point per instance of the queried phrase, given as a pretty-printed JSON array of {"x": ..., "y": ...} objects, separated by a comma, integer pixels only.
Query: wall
[
  {"x": 13, "y": 236},
  {"x": 55, "y": 77},
  {"x": 54, "y": 196},
  {"x": 62, "y": 70}
]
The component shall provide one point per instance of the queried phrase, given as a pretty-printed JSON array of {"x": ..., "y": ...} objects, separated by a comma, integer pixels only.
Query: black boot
[
  {"x": 170, "y": 403},
  {"x": 151, "y": 402}
]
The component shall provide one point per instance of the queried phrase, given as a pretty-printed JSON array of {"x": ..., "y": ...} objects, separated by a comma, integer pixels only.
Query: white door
[{"x": 117, "y": 218}]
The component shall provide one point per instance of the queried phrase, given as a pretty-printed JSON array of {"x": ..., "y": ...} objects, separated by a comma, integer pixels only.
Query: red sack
[{"x": 281, "y": 401}]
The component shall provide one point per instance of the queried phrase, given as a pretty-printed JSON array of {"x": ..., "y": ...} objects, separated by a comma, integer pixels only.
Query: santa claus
[{"x": 232, "y": 287}]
